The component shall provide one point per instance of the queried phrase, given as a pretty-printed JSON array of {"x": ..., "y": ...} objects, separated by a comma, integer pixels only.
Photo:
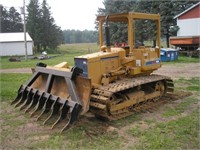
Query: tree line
[{"x": 77, "y": 36}]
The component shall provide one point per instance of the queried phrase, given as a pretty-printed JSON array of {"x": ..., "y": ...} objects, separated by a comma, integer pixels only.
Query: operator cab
[{"x": 132, "y": 38}]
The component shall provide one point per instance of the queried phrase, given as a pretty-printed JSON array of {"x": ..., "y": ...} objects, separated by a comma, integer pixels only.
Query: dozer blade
[{"x": 55, "y": 92}]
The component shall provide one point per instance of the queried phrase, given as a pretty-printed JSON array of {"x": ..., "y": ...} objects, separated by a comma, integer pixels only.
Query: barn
[
  {"x": 12, "y": 44},
  {"x": 189, "y": 21}
]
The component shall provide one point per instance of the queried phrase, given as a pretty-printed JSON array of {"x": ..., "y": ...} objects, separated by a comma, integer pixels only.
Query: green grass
[
  {"x": 193, "y": 88},
  {"x": 77, "y": 139},
  {"x": 10, "y": 84},
  {"x": 192, "y": 84},
  {"x": 182, "y": 133},
  {"x": 183, "y": 59},
  {"x": 67, "y": 52}
]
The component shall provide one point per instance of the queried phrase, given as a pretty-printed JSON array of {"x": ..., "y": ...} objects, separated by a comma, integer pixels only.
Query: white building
[
  {"x": 189, "y": 21},
  {"x": 12, "y": 44}
]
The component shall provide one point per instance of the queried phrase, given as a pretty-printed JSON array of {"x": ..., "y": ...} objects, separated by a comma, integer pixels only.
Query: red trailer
[{"x": 188, "y": 45}]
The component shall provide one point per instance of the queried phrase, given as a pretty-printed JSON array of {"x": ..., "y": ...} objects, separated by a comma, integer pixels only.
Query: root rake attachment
[{"x": 52, "y": 92}]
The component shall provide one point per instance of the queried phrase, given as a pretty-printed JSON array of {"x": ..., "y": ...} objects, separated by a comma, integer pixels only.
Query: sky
[{"x": 68, "y": 14}]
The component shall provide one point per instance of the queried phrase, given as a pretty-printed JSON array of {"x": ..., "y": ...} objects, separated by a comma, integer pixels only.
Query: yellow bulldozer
[{"x": 111, "y": 83}]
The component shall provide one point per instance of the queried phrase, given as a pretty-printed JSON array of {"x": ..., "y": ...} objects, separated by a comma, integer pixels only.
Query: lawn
[{"x": 10, "y": 84}]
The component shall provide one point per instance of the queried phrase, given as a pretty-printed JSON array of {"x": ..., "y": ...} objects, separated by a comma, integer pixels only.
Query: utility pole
[{"x": 25, "y": 42}]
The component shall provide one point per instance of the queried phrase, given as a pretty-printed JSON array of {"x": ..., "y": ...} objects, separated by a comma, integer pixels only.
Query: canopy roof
[{"x": 123, "y": 17}]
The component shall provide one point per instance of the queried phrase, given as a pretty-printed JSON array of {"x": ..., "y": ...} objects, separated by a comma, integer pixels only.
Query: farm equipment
[
  {"x": 111, "y": 83},
  {"x": 187, "y": 45}
]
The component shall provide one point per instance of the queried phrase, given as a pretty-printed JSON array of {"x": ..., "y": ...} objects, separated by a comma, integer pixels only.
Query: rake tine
[
  {"x": 22, "y": 100},
  {"x": 73, "y": 117},
  {"x": 28, "y": 101},
  {"x": 58, "y": 120},
  {"x": 53, "y": 111},
  {"x": 38, "y": 106},
  {"x": 63, "y": 113},
  {"x": 19, "y": 95},
  {"x": 32, "y": 104},
  {"x": 67, "y": 126},
  {"x": 46, "y": 107},
  {"x": 75, "y": 113}
]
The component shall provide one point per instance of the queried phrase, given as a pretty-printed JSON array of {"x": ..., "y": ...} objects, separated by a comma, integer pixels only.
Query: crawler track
[{"x": 122, "y": 98}]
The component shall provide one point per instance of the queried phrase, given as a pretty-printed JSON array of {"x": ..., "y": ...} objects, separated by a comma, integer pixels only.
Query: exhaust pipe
[{"x": 107, "y": 32}]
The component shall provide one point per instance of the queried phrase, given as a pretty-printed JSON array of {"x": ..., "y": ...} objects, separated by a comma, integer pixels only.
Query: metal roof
[
  {"x": 14, "y": 37},
  {"x": 186, "y": 10}
]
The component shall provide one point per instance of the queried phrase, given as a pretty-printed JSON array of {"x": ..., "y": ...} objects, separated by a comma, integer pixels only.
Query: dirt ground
[
  {"x": 186, "y": 70},
  {"x": 19, "y": 136},
  {"x": 16, "y": 70}
]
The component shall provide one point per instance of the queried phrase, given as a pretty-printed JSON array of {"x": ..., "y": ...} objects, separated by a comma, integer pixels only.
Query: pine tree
[
  {"x": 46, "y": 25},
  {"x": 4, "y": 19},
  {"x": 11, "y": 20},
  {"x": 34, "y": 22},
  {"x": 56, "y": 37},
  {"x": 15, "y": 20},
  {"x": 41, "y": 26},
  {"x": 52, "y": 34}
]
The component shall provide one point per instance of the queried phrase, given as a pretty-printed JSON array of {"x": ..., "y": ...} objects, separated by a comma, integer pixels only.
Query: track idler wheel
[{"x": 160, "y": 86}]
